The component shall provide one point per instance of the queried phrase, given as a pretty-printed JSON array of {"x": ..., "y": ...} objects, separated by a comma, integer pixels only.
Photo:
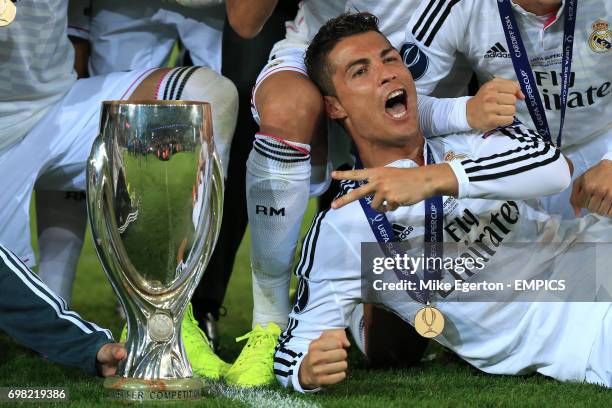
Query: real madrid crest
[
  {"x": 600, "y": 39},
  {"x": 7, "y": 12},
  {"x": 450, "y": 156}
]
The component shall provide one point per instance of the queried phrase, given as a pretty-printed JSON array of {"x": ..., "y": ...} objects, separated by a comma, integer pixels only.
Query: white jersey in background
[
  {"x": 436, "y": 116},
  {"x": 472, "y": 28},
  {"x": 502, "y": 338},
  {"x": 135, "y": 34},
  {"x": 36, "y": 66},
  {"x": 392, "y": 15}
]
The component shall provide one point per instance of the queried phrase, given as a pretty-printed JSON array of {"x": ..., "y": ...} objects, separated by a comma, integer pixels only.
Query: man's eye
[
  {"x": 359, "y": 72},
  {"x": 390, "y": 59}
]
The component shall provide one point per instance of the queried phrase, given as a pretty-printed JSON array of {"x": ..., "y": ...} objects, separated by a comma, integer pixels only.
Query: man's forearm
[
  {"x": 516, "y": 167},
  {"x": 32, "y": 314},
  {"x": 442, "y": 116},
  {"x": 247, "y": 18},
  {"x": 441, "y": 180}
]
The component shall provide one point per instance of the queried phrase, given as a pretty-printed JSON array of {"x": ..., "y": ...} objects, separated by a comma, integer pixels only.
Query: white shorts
[
  {"x": 135, "y": 34},
  {"x": 53, "y": 155},
  {"x": 583, "y": 157},
  {"x": 288, "y": 55},
  {"x": 599, "y": 365}
]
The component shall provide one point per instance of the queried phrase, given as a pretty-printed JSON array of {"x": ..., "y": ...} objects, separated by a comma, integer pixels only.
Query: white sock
[
  {"x": 277, "y": 189},
  {"x": 204, "y": 84},
  {"x": 62, "y": 219}
]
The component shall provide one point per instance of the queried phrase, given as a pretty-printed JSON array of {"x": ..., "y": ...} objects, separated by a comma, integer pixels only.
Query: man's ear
[{"x": 334, "y": 109}]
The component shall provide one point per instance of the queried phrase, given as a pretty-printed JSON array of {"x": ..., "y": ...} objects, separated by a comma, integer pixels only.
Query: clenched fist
[
  {"x": 593, "y": 190},
  {"x": 494, "y": 104},
  {"x": 325, "y": 363}
]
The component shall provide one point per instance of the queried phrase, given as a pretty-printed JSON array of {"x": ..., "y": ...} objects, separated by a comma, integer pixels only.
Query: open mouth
[{"x": 395, "y": 105}]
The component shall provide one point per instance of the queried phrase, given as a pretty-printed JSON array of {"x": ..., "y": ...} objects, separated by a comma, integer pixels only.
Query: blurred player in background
[
  {"x": 49, "y": 120},
  {"x": 555, "y": 34},
  {"x": 487, "y": 179}
]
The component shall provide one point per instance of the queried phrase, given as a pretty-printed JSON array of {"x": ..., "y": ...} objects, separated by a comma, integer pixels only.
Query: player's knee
[
  {"x": 208, "y": 86},
  {"x": 290, "y": 107}
]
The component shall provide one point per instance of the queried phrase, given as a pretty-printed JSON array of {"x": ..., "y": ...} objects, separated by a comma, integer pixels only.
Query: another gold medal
[
  {"x": 7, "y": 12},
  {"x": 429, "y": 322}
]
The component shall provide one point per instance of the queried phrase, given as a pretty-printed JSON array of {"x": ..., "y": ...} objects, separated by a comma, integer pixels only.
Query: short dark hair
[{"x": 330, "y": 34}]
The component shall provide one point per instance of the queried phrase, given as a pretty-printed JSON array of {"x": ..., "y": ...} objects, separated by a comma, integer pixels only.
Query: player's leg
[
  {"x": 242, "y": 62},
  {"x": 198, "y": 84},
  {"x": 61, "y": 221},
  {"x": 278, "y": 185}
]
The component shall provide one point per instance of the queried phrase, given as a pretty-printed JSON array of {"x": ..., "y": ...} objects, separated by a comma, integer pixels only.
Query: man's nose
[{"x": 387, "y": 75}]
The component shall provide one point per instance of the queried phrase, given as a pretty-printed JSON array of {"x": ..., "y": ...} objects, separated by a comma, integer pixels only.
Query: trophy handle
[
  {"x": 217, "y": 196},
  {"x": 99, "y": 189}
]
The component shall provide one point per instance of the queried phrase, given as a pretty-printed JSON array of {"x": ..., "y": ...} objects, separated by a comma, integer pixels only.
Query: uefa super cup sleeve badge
[{"x": 8, "y": 11}]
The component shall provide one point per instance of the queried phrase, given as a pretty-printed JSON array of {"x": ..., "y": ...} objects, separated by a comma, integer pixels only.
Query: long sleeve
[
  {"x": 442, "y": 116},
  {"x": 37, "y": 318},
  {"x": 328, "y": 291},
  {"x": 511, "y": 163}
]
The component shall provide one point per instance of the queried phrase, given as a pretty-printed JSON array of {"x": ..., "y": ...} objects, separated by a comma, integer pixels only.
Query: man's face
[{"x": 375, "y": 93}]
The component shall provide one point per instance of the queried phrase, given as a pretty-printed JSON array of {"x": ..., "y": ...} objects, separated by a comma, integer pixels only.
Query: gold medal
[
  {"x": 7, "y": 12},
  {"x": 429, "y": 322}
]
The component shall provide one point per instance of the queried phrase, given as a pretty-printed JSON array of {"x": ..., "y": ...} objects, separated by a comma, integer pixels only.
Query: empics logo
[
  {"x": 497, "y": 51},
  {"x": 600, "y": 39}
]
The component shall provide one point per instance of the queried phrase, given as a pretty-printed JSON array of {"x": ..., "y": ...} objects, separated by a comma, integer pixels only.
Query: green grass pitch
[{"x": 443, "y": 382}]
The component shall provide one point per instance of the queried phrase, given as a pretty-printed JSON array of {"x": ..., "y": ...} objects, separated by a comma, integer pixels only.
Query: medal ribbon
[
  {"x": 433, "y": 238},
  {"x": 523, "y": 70}
]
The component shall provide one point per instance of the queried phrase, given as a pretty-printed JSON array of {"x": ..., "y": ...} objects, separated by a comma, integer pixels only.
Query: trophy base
[{"x": 160, "y": 390}]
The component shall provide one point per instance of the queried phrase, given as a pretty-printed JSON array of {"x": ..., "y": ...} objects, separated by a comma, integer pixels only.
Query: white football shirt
[
  {"x": 36, "y": 66},
  {"x": 505, "y": 338},
  {"x": 137, "y": 34},
  {"x": 439, "y": 31}
]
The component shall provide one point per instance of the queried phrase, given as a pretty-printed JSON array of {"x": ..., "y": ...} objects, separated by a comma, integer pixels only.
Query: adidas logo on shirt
[
  {"x": 497, "y": 51},
  {"x": 401, "y": 231}
]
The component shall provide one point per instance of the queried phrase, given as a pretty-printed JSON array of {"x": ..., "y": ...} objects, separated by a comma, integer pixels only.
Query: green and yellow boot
[{"x": 255, "y": 365}]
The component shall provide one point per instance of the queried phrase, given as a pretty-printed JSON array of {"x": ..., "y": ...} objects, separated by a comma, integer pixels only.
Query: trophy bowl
[{"x": 154, "y": 197}]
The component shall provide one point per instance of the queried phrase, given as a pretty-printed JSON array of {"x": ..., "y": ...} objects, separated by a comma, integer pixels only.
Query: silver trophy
[{"x": 155, "y": 195}]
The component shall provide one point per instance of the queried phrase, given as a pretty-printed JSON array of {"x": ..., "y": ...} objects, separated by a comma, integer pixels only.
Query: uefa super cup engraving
[{"x": 155, "y": 194}]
